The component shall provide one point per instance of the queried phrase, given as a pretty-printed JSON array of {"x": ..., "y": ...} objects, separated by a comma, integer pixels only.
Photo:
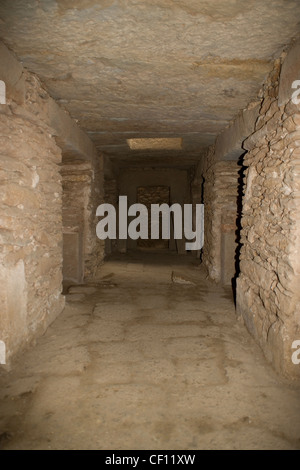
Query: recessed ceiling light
[{"x": 168, "y": 143}]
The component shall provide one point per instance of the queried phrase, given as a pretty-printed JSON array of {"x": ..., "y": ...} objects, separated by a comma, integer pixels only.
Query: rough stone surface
[
  {"x": 289, "y": 74},
  {"x": 268, "y": 286},
  {"x": 159, "y": 68},
  {"x": 136, "y": 69},
  {"x": 148, "y": 364},
  {"x": 31, "y": 202},
  {"x": 30, "y": 222},
  {"x": 216, "y": 184},
  {"x": 228, "y": 145},
  {"x": 11, "y": 72},
  {"x": 69, "y": 137}
]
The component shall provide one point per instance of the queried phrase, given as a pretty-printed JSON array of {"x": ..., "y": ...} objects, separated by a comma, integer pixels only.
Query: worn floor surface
[{"x": 142, "y": 359}]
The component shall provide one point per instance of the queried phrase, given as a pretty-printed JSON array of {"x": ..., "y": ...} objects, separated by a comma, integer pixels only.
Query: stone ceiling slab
[{"x": 156, "y": 68}]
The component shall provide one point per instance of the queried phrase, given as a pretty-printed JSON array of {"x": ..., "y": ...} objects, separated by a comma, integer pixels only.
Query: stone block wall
[
  {"x": 30, "y": 220},
  {"x": 268, "y": 287},
  {"x": 216, "y": 185},
  {"x": 34, "y": 132},
  {"x": 111, "y": 195},
  {"x": 218, "y": 176}
]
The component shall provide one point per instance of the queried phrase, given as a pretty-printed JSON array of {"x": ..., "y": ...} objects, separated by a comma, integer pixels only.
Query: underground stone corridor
[
  {"x": 150, "y": 355},
  {"x": 149, "y": 224}
]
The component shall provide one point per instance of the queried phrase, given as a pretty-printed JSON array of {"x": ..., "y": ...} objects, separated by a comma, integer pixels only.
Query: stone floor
[{"x": 150, "y": 356}]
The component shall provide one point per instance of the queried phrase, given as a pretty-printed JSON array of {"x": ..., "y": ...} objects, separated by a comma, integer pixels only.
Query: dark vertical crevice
[
  {"x": 202, "y": 202},
  {"x": 240, "y": 190}
]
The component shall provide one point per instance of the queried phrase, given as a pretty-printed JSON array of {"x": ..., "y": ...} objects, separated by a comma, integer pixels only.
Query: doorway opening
[{"x": 148, "y": 195}]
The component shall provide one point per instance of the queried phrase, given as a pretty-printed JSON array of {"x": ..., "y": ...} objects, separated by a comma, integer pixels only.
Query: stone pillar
[{"x": 220, "y": 208}]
